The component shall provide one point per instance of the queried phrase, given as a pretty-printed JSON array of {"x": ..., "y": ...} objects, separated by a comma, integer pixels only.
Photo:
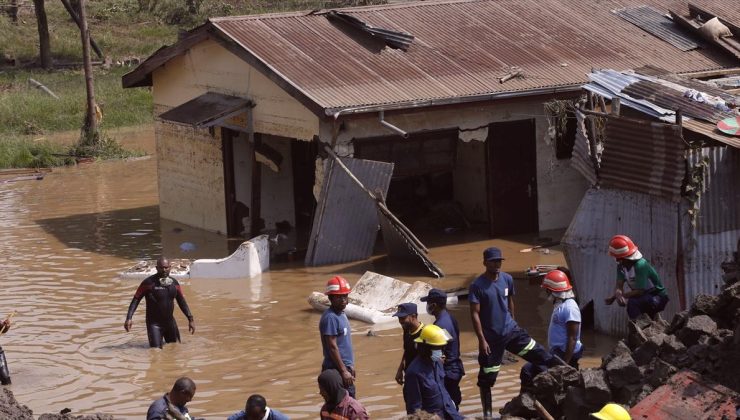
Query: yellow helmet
[
  {"x": 612, "y": 411},
  {"x": 433, "y": 336}
]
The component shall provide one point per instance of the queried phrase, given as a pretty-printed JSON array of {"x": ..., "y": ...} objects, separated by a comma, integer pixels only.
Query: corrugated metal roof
[
  {"x": 460, "y": 49},
  {"x": 650, "y": 221},
  {"x": 672, "y": 99},
  {"x": 643, "y": 156},
  {"x": 656, "y": 23},
  {"x": 715, "y": 237},
  {"x": 345, "y": 223}
]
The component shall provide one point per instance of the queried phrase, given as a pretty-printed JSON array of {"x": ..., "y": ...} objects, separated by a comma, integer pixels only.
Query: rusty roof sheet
[
  {"x": 459, "y": 51},
  {"x": 656, "y": 23},
  {"x": 643, "y": 156}
]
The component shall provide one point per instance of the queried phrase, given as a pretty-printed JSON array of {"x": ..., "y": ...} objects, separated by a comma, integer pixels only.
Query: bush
[{"x": 26, "y": 153}]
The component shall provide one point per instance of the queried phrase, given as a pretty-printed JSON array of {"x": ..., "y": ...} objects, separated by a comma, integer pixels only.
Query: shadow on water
[{"x": 128, "y": 233}]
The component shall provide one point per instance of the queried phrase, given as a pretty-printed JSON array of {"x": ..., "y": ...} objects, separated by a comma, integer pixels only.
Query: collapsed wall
[{"x": 704, "y": 339}]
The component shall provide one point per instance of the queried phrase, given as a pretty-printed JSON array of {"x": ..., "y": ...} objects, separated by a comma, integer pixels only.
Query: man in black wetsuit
[{"x": 160, "y": 291}]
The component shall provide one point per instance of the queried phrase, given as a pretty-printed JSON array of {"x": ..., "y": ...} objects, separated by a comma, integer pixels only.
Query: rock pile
[
  {"x": 10, "y": 408},
  {"x": 705, "y": 339}
]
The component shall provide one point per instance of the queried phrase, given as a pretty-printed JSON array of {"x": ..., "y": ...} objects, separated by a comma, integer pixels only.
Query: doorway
[
  {"x": 512, "y": 177},
  {"x": 237, "y": 163}
]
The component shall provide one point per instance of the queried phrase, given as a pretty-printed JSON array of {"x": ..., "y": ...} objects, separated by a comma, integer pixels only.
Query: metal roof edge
[{"x": 453, "y": 100}]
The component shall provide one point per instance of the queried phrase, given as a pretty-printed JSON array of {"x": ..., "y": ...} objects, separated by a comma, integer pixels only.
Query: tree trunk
[
  {"x": 43, "y": 26},
  {"x": 91, "y": 121}
]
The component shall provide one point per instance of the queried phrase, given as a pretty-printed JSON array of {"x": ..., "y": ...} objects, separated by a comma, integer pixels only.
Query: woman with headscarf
[{"x": 339, "y": 405}]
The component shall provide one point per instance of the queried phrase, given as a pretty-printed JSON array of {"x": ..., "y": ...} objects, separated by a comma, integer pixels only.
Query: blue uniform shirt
[
  {"x": 557, "y": 334},
  {"x": 158, "y": 409},
  {"x": 453, "y": 365},
  {"x": 336, "y": 324},
  {"x": 424, "y": 389},
  {"x": 493, "y": 297}
]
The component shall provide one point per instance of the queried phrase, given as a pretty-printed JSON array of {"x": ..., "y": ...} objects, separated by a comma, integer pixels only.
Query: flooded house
[{"x": 425, "y": 102}]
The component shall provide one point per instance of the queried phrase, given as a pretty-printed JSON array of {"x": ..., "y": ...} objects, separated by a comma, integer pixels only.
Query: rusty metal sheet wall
[
  {"x": 718, "y": 229},
  {"x": 650, "y": 221},
  {"x": 643, "y": 156},
  {"x": 345, "y": 224},
  {"x": 460, "y": 48}
]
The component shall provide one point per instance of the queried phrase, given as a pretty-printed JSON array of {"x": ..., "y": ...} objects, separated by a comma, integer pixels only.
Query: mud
[{"x": 66, "y": 237}]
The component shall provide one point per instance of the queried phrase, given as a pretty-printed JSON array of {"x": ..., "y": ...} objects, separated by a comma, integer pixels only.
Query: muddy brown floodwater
[{"x": 65, "y": 238}]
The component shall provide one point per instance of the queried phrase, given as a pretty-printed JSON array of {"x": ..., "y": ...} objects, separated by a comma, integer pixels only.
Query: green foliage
[
  {"x": 101, "y": 146},
  {"x": 26, "y": 153}
]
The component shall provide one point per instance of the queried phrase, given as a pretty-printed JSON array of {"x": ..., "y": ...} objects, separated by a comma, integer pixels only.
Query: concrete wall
[
  {"x": 191, "y": 176},
  {"x": 560, "y": 188},
  {"x": 210, "y": 67},
  {"x": 278, "y": 203}
]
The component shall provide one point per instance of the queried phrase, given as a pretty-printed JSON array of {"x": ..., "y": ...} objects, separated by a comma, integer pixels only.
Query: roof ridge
[{"x": 320, "y": 12}]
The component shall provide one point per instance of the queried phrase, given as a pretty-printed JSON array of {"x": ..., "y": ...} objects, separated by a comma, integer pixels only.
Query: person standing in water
[
  {"x": 160, "y": 291},
  {"x": 336, "y": 334}
]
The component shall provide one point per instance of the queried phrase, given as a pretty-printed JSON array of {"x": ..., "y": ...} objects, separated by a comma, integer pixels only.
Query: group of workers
[{"x": 430, "y": 370}]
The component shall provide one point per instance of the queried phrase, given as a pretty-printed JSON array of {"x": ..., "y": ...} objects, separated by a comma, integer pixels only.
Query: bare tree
[
  {"x": 43, "y": 26},
  {"x": 90, "y": 128}
]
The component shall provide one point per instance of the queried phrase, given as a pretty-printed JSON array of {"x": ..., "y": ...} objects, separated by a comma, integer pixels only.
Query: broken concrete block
[
  {"x": 545, "y": 385},
  {"x": 522, "y": 405},
  {"x": 565, "y": 375},
  {"x": 596, "y": 387},
  {"x": 671, "y": 346},
  {"x": 576, "y": 407},
  {"x": 698, "y": 352},
  {"x": 678, "y": 322},
  {"x": 695, "y": 327},
  {"x": 704, "y": 305},
  {"x": 635, "y": 336},
  {"x": 632, "y": 394},
  {"x": 643, "y": 321},
  {"x": 646, "y": 352},
  {"x": 622, "y": 370},
  {"x": 661, "y": 373},
  {"x": 618, "y": 350}
]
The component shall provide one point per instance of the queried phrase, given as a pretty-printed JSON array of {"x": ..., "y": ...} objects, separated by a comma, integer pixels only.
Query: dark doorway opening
[
  {"x": 304, "y": 176},
  {"x": 512, "y": 177}
]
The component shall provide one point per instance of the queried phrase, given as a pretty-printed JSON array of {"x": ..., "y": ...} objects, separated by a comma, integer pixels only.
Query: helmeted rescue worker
[
  {"x": 408, "y": 317},
  {"x": 436, "y": 301},
  {"x": 647, "y": 294},
  {"x": 564, "y": 333},
  {"x": 491, "y": 309},
  {"x": 160, "y": 291},
  {"x": 336, "y": 333},
  {"x": 424, "y": 388},
  {"x": 612, "y": 411}
]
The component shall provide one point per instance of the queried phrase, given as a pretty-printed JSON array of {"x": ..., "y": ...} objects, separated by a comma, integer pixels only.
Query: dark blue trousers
[{"x": 518, "y": 342}]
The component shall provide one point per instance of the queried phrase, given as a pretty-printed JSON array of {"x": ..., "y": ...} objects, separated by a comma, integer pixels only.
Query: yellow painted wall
[
  {"x": 191, "y": 176},
  {"x": 210, "y": 67}
]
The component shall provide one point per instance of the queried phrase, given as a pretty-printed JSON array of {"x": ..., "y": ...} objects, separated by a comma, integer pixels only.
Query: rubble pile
[
  {"x": 10, "y": 408},
  {"x": 705, "y": 339}
]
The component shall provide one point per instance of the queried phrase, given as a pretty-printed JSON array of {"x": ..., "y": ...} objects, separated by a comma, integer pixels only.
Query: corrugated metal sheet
[
  {"x": 718, "y": 229},
  {"x": 656, "y": 23},
  {"x": 673, "y": 99},
  {"x": 401, "y": 243},
  {"x": 650, "y": 221},
  {"x": 461, "y": 48},
  {"x": 581, "y": 158},
  {"x": 345, "y": 224},
  {"x": 205, "y": 109},
  {"x": 643, "y": 156}
]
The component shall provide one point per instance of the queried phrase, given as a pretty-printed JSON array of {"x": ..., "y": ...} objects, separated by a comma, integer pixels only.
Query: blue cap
[
  {"x": 492, "y": 254},
  {"x": 406, "y": 309},
  {"x": 435, "y": 295}
]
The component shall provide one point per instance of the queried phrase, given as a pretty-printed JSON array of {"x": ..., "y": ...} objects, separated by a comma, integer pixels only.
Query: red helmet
[
  {"x": 556, "y": 281},
  {"x": 621, "y": 247},
  {"x": 337, "y": 286}
]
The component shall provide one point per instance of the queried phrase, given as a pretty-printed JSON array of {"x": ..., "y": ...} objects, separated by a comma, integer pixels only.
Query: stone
[
  {"x": 646, "y": 352},
  {"x": 635, "y": 337},
  {"x": 596, "y": 387},
  {"x": 661, "y": 373},
  {"x": 704, "y": 305},
  {"x": 11, "y": 409},
  {"x": 695, "y": 327},
  {"x": 622, "y": 370},
  {"x": 671, "y": 349},
  {"x": 545, "y": 385},
  {"x": 576, "y": 407},
  {"x": 618, "y": 350},
  {"x": 643, "y": 321},
  {"x": 632, "y": 394},
  {"x": 678, "y": 322},
  {"x": 522, "y": 405},
  {"x": 565, "y": 375},
  {"x": 698, "y": 352}
]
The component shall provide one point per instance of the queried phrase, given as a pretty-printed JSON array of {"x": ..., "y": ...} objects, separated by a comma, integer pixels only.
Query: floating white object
[{"x": 250, "y": 259}]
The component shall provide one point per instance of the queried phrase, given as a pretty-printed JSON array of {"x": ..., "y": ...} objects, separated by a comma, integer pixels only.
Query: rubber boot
[
  {"x": 4, "y": 372},
  {"x": 486, "y": 402}
]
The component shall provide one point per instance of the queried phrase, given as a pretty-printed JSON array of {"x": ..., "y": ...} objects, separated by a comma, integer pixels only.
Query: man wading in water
[{"x": 160, "y": 291}]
